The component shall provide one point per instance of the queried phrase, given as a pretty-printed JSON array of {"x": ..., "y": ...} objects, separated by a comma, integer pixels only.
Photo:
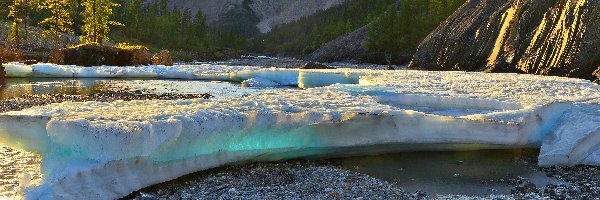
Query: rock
[
  {"x": 10, "y": 53},
  {"x": 314, "y": 65},
  {"x": 558, "y": 38},
  {"x": 2, "y": 75},
  {"x": 162, "y": 58},
  {"x": 270, "y": 13},
  {"x": 29, "y": 62},
  {"x": 597, "y": 74},
  {"x": 344, "y": 48},
  {"x": 141, "y": 57},
  {"x": 525, "y": 188},
  {"x": 97, "y": 55}
]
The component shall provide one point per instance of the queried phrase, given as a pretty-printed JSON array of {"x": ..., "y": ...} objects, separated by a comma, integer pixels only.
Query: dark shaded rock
[
  {"x": 345, "y": 48},
  {"x": 545, "y": 37},
  {"x": 313, "y": 65},
  {"x": 525, "y": 188},
  {"x": 96, "y": 55},
  {"x": 2, "y": 74},
  {"x": 597, "y": 74},
  {"x": 29, "y": 62}
]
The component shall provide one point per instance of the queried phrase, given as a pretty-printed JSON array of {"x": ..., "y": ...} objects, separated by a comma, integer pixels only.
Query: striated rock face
[
  {"x": 545, "y": 37},
  {"x": 270, "y": 12},
  {"x": 346, "y": 47},
  {"x": 597, "y": 75}
]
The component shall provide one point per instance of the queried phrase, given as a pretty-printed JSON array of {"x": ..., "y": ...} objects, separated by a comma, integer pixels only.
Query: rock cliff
[
  {"x": 545, "y": 37},
  {"x": 345, "y": 48}
]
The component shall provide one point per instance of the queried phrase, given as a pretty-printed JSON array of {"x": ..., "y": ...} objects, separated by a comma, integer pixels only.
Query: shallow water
[
  {"x": 471, "y": 173},
  {"x": 16, "y": 167},
  {"x": 19, "y": 87}
]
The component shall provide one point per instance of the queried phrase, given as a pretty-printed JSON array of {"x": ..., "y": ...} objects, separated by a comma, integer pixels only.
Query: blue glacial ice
[{"x": 107, "y": 150}]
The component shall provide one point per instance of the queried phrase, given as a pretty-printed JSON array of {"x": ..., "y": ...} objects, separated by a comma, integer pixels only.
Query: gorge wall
[{"x": 545, "y": 37}]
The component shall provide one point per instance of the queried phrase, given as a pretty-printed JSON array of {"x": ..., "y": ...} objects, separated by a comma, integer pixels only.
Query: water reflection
[
  {"x": 18, "y": 169},
  {"x": 22, "y": 87},
  {"x": 473, "y": 173}
]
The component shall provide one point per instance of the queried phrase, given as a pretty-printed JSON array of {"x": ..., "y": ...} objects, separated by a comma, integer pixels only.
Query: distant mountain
[{"x": 265, "y": 13}]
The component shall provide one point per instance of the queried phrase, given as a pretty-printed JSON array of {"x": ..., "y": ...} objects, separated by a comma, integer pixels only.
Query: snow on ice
[{"x": 107, "y": 150}]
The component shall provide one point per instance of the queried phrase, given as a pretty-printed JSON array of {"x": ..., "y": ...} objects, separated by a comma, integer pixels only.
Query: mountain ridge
[{"x": 270, "y": 12}]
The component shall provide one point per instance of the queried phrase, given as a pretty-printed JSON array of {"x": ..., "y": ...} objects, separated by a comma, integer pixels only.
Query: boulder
[
  {"x": 10, "y": 53},
  {"x": 2, "y": 74},
  {"x": 97, "y": 55},
  {"x": 162, "y": 58},
  {"x": 314, "y": 65},
  {"x": 557, "y": 37}
]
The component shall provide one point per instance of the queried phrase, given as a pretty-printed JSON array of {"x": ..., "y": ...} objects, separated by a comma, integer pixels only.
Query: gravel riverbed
[
  {"x": 16, "y": 104},
  {"x": 287, "y": 180},
  {"x": 306, "y": 179}
]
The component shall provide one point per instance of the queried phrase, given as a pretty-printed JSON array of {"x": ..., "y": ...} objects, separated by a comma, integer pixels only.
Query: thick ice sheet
[
  {"x": 206, "y": 71},
  {"x": 254, "y": 76},
  {"x": 140, "y": 143}
]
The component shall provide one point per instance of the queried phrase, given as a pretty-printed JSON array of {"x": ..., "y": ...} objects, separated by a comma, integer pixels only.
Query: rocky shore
[
  {"x": 292, "y": 63},
  {"x": 583, "y": 183},
  {"x": 16, "y": 104},
  {"x": 288, "y": 180},
  {"x": 305, "y": 179}
]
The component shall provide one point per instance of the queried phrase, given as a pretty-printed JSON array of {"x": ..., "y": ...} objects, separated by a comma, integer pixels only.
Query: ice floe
[
  {"x": 259, "y": 82},
  {"x": 107, "y": 150}
]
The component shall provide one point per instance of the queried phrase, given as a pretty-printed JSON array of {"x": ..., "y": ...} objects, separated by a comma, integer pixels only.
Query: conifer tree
[
  {"x": 201, "y": 31},
  {"x": 132, "y": 14},
  {"x": 60, "y": 18},
  {"x": 16, "y": 13},
  {"x": 96, "y": 20}
]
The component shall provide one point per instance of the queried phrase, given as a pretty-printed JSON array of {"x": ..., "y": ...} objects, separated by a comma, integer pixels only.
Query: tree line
[
  {"x": 156, "y": 24},
  {"x": 405, "y": 24},
  {"x": 132, "y": 21},
  {"x": 395, "y": 27},
  {"x": 57, "y": 16},
  {"x": 309, "y": 33}
]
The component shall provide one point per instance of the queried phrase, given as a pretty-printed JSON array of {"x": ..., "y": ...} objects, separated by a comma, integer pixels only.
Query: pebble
[
  {"x": 20, "y": 103},
  {"x": 288, "y": 180}
]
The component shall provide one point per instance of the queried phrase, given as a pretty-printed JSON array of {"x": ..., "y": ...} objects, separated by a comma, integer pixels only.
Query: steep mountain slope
[
  {"x": 545, "y": 37},
  {"x": 270, "y": 12},
  {"x": 344, "y": 48}
]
